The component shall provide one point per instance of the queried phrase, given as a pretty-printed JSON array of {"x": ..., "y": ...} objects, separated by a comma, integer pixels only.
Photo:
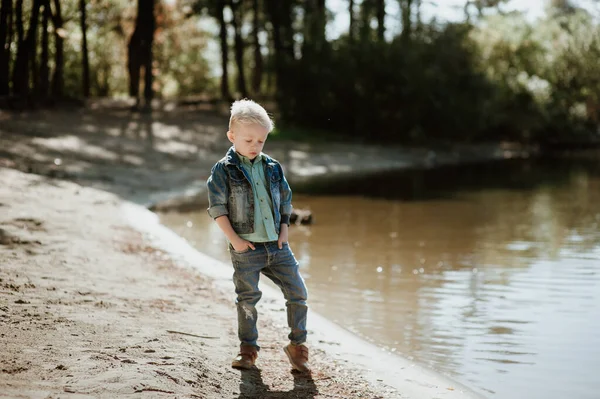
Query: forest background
[{"x": 493, "y": 75}]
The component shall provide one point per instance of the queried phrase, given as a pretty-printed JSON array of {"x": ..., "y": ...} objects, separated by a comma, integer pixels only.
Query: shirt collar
[{"x": 246, "y": 161}]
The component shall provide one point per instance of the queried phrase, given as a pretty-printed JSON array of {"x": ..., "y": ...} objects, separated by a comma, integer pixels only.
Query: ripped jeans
[{"x": 281, "y": 267}]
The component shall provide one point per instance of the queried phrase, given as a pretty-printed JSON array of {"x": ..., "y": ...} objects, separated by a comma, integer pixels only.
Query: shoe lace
[
  {"x": 303, "y": 352},
  {"x": 248, "y": 352}
]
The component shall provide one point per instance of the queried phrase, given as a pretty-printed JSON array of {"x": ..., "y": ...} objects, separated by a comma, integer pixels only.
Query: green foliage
[
  {"x": 546, "y": 73},
  {"x": 180, "y": 55},
  {"x": 505, "y": 78},
  {"x": 181, "y": 68},
  {"x": 304, "y": 135},
  {"x": 398, "y": 91},
  {"x": 510, "y": 59}
]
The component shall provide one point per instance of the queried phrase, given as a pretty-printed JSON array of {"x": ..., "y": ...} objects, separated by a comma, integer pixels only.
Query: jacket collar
[{"x": 231, "y": 157}]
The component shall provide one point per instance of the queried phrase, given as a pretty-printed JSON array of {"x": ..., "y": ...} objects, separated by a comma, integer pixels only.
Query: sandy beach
[
  {"x": 90, "y": 309},
  {"x": 93, "y": 304}
]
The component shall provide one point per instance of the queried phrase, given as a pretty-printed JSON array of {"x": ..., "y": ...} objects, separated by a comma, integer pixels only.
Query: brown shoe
[
  {"x": 246, "y": 358},
  {"x": 298, "y": 355}
]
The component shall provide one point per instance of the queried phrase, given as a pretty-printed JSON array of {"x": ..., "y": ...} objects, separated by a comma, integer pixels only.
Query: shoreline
[{"x": 304, "y": 168}]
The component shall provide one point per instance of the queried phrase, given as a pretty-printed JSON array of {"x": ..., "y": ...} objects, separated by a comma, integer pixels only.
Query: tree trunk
[
  {"x": 418, "y": 21},
  {"x": 59, "y": 58},
  {"x": 467, "y": 10},
  {"x": 351, "y": 27},
  {"x": 406, "y": 10},
  {"x": 307, "y": 24},
  {"x": 148, "y": 40},
  {"x": 282, "y": 36},
  {"x": 314, "y": 28},
  {"x": 103, "y": 79},
  {"x": 270, "y": 70},
  {"x": 320, "y": 24},
  {"x": 44, "y": 68},
  {"x": 286, "y": 29},
  {"x": 366, "y": 15},
  {"x": 19, "y": 21},
  {"x": 272, "y": 6},
  {"x": 25, "y": 50},
  {"x": 140, "y": 52},
  {"x": 17, "y": 77},
  {"x": 257, "y": 72},
  {"x": 32, "y": 36},
  {"x": 225, "y": 95},
  {"x": 380, "y": 6},
  {"x": 236, "y": 22},
  {"x": 5, "y": 42},
  {"x": 133, "y": 65},
  {"x": 85, "y": 60}
]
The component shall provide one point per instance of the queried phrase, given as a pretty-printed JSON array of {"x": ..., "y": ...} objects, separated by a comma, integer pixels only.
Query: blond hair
[{"x": 249, "y": 112}]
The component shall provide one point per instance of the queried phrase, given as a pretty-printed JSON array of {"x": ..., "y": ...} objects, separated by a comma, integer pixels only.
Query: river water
[{"x": 489, "y": 273}]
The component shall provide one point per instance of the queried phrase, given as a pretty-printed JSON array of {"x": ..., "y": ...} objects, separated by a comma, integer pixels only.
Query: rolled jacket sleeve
[
  {"x": 218, "y": 192},
  {"x": 286, "y": 200}
]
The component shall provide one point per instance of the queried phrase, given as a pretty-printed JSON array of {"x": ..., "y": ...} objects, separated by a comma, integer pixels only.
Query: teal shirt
[{"x": 264, "y": 224}]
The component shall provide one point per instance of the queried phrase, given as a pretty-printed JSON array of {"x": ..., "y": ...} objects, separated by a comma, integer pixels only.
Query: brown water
[{"x": 489, "y": 274}]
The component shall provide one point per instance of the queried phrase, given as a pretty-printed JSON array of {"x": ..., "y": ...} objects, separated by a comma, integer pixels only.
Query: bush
[{"x": 504, "y": 79}]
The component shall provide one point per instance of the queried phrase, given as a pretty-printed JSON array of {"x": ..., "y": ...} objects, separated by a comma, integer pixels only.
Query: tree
[
  {"x": 481, "y": 6},
  {"x": 225, "y": 94},
  {"x": 314, "y": 25},
  {"x": 366, "y": 15},
  {"x": 373, "y": 9},
  {"x": 216, "y": 9},
  {"x": 380, "y": 7},
  {"x": 406, "y": 13},
  {"x": 351, "y": 27},
  {"x": 140, "y": 52},
  {"x": 44, "y": 72},
  {"x": 236, "y": 22},
  {"x": 562, "y": 7},
  {"x": 282, "y": 34},
  {"x": 25, "y": 49},
  {"x": 84, "y": 47},
  {"x": 59, "y": 58},
  {"x": 5, "y": 42},
  {"x": 418, "y": 19},
  {"x": 257, "y": 71}
]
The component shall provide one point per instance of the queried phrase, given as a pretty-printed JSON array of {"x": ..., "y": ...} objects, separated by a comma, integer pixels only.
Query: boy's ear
[{"x": 230, "y": 136}]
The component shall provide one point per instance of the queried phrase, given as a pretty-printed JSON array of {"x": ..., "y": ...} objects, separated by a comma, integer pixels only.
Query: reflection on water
[{"x": 490, "y": 274}]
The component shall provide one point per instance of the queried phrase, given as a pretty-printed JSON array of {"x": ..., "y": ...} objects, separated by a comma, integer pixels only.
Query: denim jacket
[{"x": 230, "y": 193}]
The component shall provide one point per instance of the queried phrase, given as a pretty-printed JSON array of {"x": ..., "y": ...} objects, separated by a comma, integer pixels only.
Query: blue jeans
[{"x": 281, "y": 267}]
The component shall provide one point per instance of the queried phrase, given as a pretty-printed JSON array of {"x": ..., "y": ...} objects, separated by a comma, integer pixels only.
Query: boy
[{"x": 250, "y": 200}]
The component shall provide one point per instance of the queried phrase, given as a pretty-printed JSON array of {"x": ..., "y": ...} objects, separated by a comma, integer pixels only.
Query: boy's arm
[
  {"x": 238, "y": 243},
  {"x": 285, "y": 210},
  {"x": 218, "y": 197},
  {"x": 218, "y": 192}
]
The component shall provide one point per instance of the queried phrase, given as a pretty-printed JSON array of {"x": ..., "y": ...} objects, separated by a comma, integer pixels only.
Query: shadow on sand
[{"x": 252, "y": 386}]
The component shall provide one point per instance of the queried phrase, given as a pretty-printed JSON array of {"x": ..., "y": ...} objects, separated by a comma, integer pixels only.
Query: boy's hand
[
  {"x": 241, "y": 245},
  {"x": 283, "y": 235}
]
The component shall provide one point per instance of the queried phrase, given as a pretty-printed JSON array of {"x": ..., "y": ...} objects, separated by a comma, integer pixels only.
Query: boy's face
[{"x": 248, "y": 140}]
